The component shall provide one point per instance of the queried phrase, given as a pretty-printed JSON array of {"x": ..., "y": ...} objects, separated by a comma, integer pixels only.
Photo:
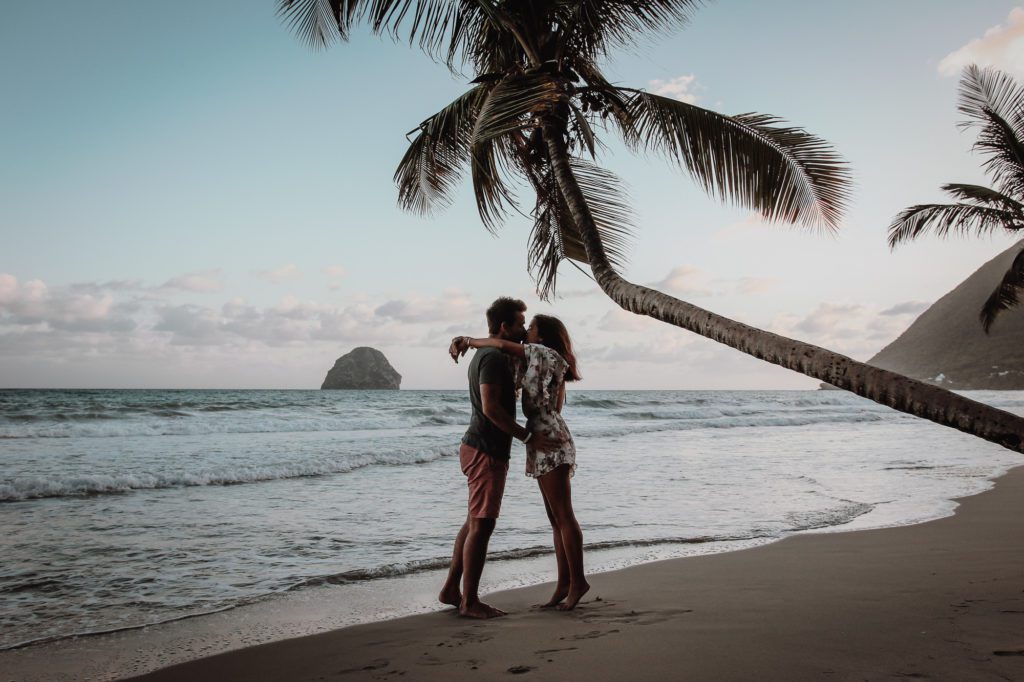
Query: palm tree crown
[
  {"x": 536, "y": 63},
  {"x": 992, "y": 102}
]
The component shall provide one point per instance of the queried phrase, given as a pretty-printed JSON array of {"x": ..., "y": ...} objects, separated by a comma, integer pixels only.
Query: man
[{"x": 484, "y": 456}]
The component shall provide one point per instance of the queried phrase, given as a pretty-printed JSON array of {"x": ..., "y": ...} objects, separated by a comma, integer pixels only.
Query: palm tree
[
  {"x": 993, "y": 102},
  {"x": 533, "y": 112}
]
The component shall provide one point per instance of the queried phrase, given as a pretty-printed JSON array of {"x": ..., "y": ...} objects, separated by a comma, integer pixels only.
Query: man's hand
[
  {"x": 538, "y": 441},
  {"x": 458, "y": 348}
]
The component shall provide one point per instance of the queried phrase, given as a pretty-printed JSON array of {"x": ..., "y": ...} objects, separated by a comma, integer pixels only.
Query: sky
[{"x": 192, "y": 198}]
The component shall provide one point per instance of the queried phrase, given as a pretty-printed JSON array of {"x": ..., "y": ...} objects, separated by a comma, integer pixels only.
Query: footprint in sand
[
  {"x": 376, "y": 664},
  {"x": 431, "y": 660},
  {"x": 634, "y": 617},
  {"x": 593, "y": 634},
  {"x": 472, "y": 637},
  {"x": 520, "y": 669}
]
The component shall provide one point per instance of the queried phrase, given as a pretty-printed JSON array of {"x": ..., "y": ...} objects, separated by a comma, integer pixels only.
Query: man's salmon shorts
[{"x": 485, "y": 476}]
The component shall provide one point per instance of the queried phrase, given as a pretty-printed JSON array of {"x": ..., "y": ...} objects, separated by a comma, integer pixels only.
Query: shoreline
[
  {"x": 944, "y": 599},
  {"x": 113, "y": 654},
  {"x": 687, "y": 604}
]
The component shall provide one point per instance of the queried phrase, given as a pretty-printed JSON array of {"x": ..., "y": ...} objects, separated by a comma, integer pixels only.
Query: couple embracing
[{"x": 536, "y": 360}]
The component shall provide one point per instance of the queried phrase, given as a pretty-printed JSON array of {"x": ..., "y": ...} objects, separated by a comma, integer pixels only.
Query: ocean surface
[{"x": 122, "y": 508}]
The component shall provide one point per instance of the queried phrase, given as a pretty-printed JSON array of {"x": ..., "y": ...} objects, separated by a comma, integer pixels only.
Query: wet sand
[{"x": 939, "y": 600}]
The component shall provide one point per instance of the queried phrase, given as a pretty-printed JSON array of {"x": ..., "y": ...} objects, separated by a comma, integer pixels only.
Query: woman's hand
[{"x": 458, "y": 347}]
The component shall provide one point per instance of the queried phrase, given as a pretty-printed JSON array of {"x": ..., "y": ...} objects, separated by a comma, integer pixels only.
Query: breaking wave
[{"x": 34, "y": 487}]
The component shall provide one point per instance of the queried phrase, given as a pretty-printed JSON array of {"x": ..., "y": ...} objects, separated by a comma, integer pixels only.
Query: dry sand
[{"x": 940, "y": 600}]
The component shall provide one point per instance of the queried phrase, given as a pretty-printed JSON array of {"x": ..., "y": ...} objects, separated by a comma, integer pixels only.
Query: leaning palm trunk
[{"x": 887, "y": 388}]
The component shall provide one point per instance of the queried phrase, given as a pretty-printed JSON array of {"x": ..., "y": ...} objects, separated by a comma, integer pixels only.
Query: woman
[{"x": 545, "y": 362}]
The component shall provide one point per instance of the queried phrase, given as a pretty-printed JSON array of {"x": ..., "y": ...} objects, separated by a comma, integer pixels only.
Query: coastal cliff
[{"x": 946, "y": 345}]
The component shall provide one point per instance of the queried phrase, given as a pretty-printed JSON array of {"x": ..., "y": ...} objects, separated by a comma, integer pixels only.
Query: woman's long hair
[{"x": 555, "y": 336}]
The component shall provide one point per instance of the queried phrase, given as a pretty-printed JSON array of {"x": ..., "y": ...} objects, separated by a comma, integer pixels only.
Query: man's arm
[
  {"x": 490, "y": 397},
  {"x": 460, "y": 344}
]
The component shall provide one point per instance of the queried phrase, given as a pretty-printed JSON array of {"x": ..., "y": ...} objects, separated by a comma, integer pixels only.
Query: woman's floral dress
[{"x": 541, "y": 377}]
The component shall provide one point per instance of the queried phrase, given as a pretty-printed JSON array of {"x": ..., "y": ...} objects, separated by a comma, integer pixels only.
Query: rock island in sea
[{"x": 363, "y": 368}]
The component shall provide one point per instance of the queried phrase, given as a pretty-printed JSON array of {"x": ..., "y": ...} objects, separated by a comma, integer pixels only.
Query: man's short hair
[{"x": 504, "y": 310}]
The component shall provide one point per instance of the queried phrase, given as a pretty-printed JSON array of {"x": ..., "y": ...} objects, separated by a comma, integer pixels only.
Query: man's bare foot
[
  {"x": 574, "y": 596},
  {"x": 556, "y": 599},
  {"x": 480, "y": 610},
  {"x": 450, "y": 596}
]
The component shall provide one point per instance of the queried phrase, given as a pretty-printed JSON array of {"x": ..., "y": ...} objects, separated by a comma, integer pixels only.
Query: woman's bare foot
[
  {"x": 556, "y": 599},
  {"x": 574, "y": 596},
  {"x": 451, "y": 597},
  {"x": 479, "y": 609}
]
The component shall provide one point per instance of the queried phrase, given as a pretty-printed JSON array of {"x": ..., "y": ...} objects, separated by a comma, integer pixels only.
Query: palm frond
[
  {"x": 432, "y": 166},
  {"x": 443, "y": 29},
  {"x": 944, "y": 219},
  {"x": 984, "y": 90},
  {"x": 609, "y": 204},
  {"x": 547, "y": 249},
  {"x": 594, "y": 26},
  {"x": 1004, "y": 155},
  {"x": 982, "y": 195},
  {"x": 750, "y": 159},
  {"x": 494, "y": 198},
  {"x": 319, "y": 23},
  {"x": 514, "y": 103},
  {"x": 555, "y": 236},
  {"x": 446, "y": 30},
  {"x": 994, "y": 103},
  {"x": 583, "y": 131},
  {"x": 1006, "y": 295}
]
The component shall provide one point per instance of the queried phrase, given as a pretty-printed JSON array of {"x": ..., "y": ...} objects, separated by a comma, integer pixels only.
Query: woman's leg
[
  {"x": 558, "y": 493},
  {"x": 562, "y": 586}
]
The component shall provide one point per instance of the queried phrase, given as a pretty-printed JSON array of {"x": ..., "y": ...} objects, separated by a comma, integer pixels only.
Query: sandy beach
[{"x": 939, "y": 600}]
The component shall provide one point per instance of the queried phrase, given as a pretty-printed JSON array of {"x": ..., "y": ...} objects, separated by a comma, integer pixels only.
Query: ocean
[{"x": 124, "y": 508}]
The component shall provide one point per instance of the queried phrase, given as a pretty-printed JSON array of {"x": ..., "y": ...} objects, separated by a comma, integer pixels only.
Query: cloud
[
  {"x": 619, "y": 320},
  {"x": 829, "y": 316},
  {"x": 682, "y": 280},
  {"x": 38, "y": 319},
  {"x": 1001, "y": 46},
  {"x": 134, "y": 334},
  {"x": 335, "y": 273},
  {"x": 671, "y": 347},
  {"x": 680, "y": 88},
  {"x": 740, "y": 229},
  {"x": 9, "y": 289},
  {"x": 34, "y": 304},
  {"x": 111, "y": 285},
  {"x": 290, "y": 322},
  {"x": 453, "y": 305},
  {"x": 580, "y": 293},
  {"x": 755, "y": 285},
  {"x": 907, "y": 308},
  {"x": 284, "y": 273},
  {"x": 189, "y": 324},
  {"x": 202, "y": 281},
  {"x": 850, "y": 328}
]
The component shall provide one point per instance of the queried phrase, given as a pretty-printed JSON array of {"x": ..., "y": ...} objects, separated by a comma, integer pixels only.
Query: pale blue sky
[{"x": 200, "y": 157}]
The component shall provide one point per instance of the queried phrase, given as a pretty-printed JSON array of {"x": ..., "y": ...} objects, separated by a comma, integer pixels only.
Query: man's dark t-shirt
[{"x": 490, "y": 366}]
